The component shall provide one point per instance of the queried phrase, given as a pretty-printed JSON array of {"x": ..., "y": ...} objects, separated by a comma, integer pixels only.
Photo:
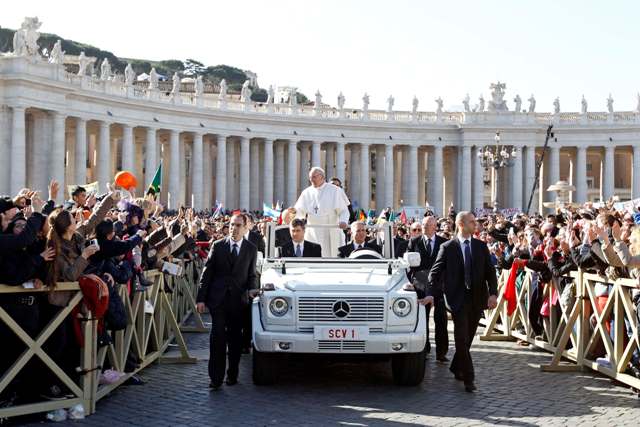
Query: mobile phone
[{"x": 93, "y": 242}]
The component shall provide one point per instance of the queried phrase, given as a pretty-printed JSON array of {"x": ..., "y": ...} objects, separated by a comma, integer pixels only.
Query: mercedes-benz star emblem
[{"x": 341, "y": 308}]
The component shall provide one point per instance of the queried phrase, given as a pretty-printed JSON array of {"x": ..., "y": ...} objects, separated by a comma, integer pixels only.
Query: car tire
[
  {"x": 265, "y": 368},
  {"x": 408, "y": 369}
]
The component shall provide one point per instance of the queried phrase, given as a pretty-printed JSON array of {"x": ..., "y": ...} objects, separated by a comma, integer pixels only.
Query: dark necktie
[
  {"x": 467, "y": 264},
  {"x": 234, "y": 251},
  {"x": 298, "y": 251},
  {"x": 429, "y": 248}
]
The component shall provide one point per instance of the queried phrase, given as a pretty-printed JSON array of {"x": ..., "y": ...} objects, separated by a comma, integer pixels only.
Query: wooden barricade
[
  {"x": 582, "y": 326},
  {"x": 81, "y": 389},
  {"x": 156, "y": 318}
]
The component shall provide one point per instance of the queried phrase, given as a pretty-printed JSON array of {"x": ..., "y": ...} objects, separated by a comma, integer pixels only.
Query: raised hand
[{"x": 53, "y": 189}]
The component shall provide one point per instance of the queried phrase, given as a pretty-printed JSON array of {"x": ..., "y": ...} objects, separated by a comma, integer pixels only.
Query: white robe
[{"x": 325, "y": 205}]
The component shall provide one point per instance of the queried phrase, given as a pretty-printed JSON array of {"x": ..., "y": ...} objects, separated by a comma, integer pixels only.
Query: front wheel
[
  {"x": 408, "y": 369},
  {"x": 265, "y": 368}
]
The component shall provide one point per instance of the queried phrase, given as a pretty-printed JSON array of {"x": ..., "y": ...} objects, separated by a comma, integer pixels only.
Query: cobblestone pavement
[{"x": 512, "y": 391}]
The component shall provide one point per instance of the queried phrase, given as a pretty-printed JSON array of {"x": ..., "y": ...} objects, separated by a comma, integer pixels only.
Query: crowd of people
[
  {"x": 115, "y": 237},
  {"x": 102, "y": 241}
]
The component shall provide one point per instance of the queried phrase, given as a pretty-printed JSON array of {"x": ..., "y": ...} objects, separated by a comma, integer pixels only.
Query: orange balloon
[{"x": 126, "y": 180}]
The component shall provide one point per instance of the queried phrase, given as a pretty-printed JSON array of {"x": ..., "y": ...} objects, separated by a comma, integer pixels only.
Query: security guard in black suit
[{"x": 227, "y": 285}]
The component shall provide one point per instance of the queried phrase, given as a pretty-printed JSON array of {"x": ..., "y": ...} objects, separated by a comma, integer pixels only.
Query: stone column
[
  {"x": 635, "y": 173},
  {"x": 354, "y": 175},
  {"x": 365, "y": 181},
  {"x": 58, "y": 152},
  {"x": 292, "y": 195},
  {"x": 478, "y": 180},
  {"x": 127, "y": 149},
  {"x": 516, "y": 181},
  {"x": 315, "y": 154},
  {"x": 380, "y": 193},
  {"x": 330, "y": 157},
  {"x": 438, "y": 176},
  {"x": 255, "y": 198},
  {"x": 554, "y": 165},
  {"x": 465, "y": 181},
  {"x": 150, "y": 156},
  {"x": 207, "y": 173},
  {"x": 104, "y": 155},
  {"x": 18, "y": 166},
  {"x": 174, "y": 169},
  {"x": 404, "y": 173},
  {"x": 232, "y": 173},
  {"x": 267, "y": 179},
  {"x": 279, "y": 167},
  {"x": 340, "y": 161},
  {"x": 412, "y": 176},
  {"x": 5, "y": 148},
  {"x": 221, "y": 170},
  {"x": 581, "y": 175},
  {"x": 422, "y": 170},
  {"x": 80, "y": 163},
  {"x": 197, "y": 153},
  {"x": 244, "y": 173},
  {"x": 304, "y": 164},
  {"x": 388, "y": 176},
  {"x": 530, "y": 177},
  {"x": 608, "y": 187}
]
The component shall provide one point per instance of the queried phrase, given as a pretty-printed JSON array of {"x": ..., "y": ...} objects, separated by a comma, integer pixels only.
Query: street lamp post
[{"x": 495, "y": 158}]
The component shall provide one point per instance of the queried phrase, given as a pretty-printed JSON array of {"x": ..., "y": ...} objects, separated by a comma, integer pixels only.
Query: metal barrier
[
  {"x": 581, "y": 326},
  {"x": 148, "y": 335}
]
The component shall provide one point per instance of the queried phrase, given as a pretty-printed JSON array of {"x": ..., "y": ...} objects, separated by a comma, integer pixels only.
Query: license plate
[{"x": 341, "y": 333}]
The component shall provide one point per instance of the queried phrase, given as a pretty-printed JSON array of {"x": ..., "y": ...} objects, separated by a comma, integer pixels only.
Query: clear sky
[{"x": 399, "y": 47}]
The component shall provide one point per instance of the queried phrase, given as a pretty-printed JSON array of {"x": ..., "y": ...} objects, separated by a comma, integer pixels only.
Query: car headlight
[
  {"x": 401, "y": 307},
  {"x": 279, "y": 306}
]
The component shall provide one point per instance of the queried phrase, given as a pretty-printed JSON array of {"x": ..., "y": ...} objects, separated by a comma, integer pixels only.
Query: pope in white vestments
[{"x": 323, "y": 204}]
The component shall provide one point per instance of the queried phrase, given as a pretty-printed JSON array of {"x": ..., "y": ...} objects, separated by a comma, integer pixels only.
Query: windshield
[{"x": 328, "y": 243}]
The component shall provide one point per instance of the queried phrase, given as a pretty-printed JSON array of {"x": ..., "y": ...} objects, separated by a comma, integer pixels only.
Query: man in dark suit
[
  {"x": 253, "y": 235},
  {"x": 358, "y": 241},
  {"x": 463, "y": 270},
  {"x": 428, "y": 245},
  {"x": 228, "y": 282},
  {"x": 297, "y": 246}
]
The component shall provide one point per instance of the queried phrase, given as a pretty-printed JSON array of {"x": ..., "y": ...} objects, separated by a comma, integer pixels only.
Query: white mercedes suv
[{"x": 362, "y": 305}]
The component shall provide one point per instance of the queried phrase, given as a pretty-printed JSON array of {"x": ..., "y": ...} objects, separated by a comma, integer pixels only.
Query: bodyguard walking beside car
[{"x": 227, "y": 285}]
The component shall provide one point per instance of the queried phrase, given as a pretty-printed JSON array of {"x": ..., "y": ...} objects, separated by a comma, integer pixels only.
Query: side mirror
[{"x": 412, "y": 258}]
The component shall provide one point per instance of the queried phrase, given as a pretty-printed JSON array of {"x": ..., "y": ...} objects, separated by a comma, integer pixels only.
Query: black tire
[
  {"x": 408, "y": 369},
  {"x": 265, "y": 368}
]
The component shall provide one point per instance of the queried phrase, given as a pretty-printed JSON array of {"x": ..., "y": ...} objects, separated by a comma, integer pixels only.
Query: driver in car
[{"x": 358, "y": 241}]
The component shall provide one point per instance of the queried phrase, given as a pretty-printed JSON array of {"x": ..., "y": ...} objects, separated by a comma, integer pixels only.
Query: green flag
[{"x": 156, "y": 183}]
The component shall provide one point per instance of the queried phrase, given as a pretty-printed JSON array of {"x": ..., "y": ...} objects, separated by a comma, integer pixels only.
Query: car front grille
[{"x": 321, "y": 309}]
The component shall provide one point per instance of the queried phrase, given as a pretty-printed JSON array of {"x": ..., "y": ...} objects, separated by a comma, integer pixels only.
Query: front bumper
[{"x": 376, "y": 343}]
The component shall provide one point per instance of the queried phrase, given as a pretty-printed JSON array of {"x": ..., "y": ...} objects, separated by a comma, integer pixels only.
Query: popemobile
[{"x": 363, "y": 305}]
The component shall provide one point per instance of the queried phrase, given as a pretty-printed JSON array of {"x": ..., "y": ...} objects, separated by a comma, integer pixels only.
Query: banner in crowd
[
  {"x": 628, "y": 206},
  {"x": 507, "y": 212},
  {"x": 414, "y": 211},
  {"x": 91, "y": 188},
  {"x": 270, "y": 212}
]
